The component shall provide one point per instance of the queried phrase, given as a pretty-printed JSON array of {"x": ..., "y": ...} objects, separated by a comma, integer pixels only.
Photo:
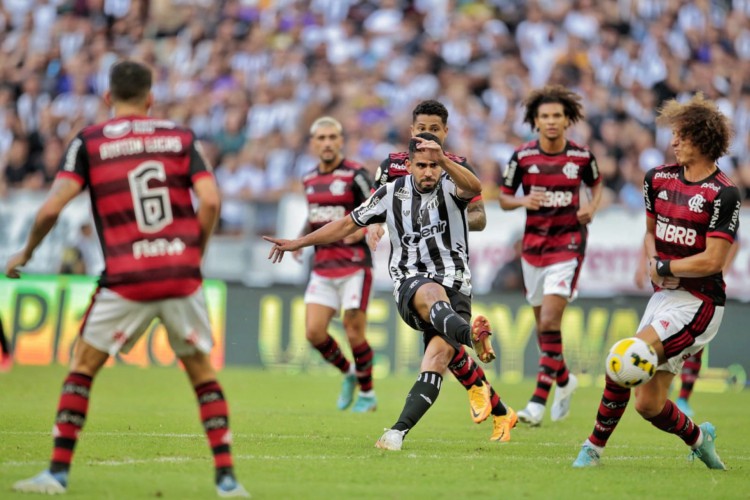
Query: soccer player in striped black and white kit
[
  {"x": 140, "y": 173},
  {"x": 432, "y": 116},
  {"x": 551, "y": 170},
  {"x": 427, "y": 225},
  {"x": 692, "y": 218}
]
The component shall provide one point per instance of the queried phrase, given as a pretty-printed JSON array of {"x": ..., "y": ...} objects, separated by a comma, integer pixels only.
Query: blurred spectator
[{"x": 256, "y": 72}]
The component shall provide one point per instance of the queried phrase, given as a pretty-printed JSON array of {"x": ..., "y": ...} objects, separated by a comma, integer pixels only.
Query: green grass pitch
[{"x": 143, "y": 440}]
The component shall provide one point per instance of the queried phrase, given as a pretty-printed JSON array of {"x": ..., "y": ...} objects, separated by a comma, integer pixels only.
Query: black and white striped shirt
[{"x": 428, "y": 231}]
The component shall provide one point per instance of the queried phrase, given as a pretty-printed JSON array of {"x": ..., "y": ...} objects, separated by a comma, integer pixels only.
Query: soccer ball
[{"x": 631, "y": 362}]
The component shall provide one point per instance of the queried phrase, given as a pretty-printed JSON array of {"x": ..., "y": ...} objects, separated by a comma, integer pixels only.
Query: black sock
[
  {"x": 422, "y": 396},
  {"x": 4, "y": 346},
  {"x": 446, "y": 321}
]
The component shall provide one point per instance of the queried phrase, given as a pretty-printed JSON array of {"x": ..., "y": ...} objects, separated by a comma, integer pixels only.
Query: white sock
[
  {"x": 698, "y": 443},
  {"x": 367, "y": 394},
  {"x": 599, "y": 449}
]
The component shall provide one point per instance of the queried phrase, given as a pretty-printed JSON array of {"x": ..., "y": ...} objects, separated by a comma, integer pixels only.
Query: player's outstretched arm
[
  {"x": 62, "y": 191},
  {"x": 331, "y": 232}
]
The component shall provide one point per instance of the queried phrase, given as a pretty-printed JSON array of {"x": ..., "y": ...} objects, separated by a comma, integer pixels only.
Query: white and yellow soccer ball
[{"x": 631, "y": 362}]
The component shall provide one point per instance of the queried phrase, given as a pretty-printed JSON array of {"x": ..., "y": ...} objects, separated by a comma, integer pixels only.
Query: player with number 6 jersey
[{"x": 140, "y": 173}]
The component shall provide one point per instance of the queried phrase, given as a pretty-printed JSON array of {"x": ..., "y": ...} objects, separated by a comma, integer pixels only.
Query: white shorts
[
  {"x": 346, "y": 292},
  {"x": 684, "y": 324},
  {"x": 560, "y": 278},
  {"x": 114, "y": 324}
]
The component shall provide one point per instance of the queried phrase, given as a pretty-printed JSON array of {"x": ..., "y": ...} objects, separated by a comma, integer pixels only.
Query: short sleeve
[
  {"x": 512, "y": 176},
  {"x": 75, "y": 162},
  {"x": 590, "y": 172},
  {"x": 362, "y": 186},
  {"x": 725, "y": 217},
  {"x": 648, "y": 192},
  {"x": 373, "y": 210}
]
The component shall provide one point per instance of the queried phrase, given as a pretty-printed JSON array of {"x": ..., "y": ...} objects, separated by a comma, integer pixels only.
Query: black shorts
[{"x": 459, "y": 302}]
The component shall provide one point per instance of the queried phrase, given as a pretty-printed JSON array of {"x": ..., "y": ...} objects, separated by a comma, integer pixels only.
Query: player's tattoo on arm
[{"x": 477, "y": 216}]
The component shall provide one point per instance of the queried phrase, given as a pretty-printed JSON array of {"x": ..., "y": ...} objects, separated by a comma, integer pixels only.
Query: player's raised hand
[{"x": 435, "y": 149}]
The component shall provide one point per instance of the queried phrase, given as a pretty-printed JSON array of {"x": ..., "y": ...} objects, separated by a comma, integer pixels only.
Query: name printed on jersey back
[
  {"x": 160, "y": 247},
  {"x": 138, "y": 145}
]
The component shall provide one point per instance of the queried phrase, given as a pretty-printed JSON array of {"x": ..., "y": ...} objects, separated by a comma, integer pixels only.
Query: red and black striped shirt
[
  {"x": 553, "y": 233},
  {"x": 686, "y": 214},
  {"x": 139, "y": 172},
  {"x": 331, "y": 196}
]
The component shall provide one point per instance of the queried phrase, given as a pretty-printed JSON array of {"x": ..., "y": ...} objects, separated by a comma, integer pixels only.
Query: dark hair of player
[
  {"x": 431, "y": 108},
  {"x": 700, "y": 122},
  {"x": 129, "y": 81},
  {"x": 571, "y": 103}
]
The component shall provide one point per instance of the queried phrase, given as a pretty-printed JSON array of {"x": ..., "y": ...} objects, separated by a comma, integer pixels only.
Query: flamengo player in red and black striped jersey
[
  {"x": 693, "y": 212},
  {"x": 139, "y": 172},
  {"x": 551, "y": 171},
  {"x": 341, "y": 277}
]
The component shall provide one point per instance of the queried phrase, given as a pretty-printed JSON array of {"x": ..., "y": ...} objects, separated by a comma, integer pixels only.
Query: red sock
[
  {"x": 689, "y": 374},
  {"x": 215, "y": 417},
  {"x": 331, "y": 352},
  {"x": 672, "y": 420},
  {"x": 464, "y": 369},
  {"x": 363, "y": 356},
  {"x": 551, "y": 365},
  {"x": 71, "y": 416},
  {"x": 612, "y": 407}
]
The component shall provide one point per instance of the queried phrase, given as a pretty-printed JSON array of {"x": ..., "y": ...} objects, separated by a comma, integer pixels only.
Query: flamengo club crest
[
  {"x": 570, "y": 170},
  {"x": 695, "y": 204},
  {"x": 338, "y": 187}
]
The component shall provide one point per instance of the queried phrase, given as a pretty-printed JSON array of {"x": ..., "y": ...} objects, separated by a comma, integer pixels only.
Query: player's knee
[
  {"x": 315, "y": 336},
  {"x": 647, "y": 407}
]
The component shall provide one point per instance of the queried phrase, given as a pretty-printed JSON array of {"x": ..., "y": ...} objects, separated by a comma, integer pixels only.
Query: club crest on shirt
[
  {"x": 695, "y": 204},
  {"x": 338, "y": 187},
  {"x": 570, "y": 170}
]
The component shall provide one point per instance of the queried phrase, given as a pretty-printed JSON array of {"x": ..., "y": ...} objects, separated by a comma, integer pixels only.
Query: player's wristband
[{"x": 664, "y": 268}]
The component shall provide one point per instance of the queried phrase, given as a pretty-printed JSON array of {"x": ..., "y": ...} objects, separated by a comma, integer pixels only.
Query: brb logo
[
  {"x": 557, "y": 198},
  {"x": 675, "y": 234},
  {"x": 412, "y": 239}
]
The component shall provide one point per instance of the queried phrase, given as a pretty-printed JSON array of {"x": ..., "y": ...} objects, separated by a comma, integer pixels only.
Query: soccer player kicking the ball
[
  {"x": 692, "y": 219},
  {"x": 426, "y": 216},
  {"x": 432, "y": 116},
  {"x": 139, "y": 172}
]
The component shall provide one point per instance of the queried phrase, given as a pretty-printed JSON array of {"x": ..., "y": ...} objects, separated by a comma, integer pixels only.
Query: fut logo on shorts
[
  {"x": 696, "y": 203},
  {"x": 664, "y": 323},
  {"x": 570, "y": 170}
]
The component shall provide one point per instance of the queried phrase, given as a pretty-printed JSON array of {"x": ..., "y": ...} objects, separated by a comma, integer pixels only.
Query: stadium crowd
[{"x": 249, "y": 76}]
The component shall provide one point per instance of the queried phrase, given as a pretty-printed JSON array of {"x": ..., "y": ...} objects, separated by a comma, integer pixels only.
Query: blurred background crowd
[{"x": 249, "y": 76}]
